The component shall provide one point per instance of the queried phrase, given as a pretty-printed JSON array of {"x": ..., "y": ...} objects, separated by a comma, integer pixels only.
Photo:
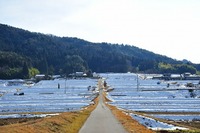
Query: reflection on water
[
  {"x": 46, "y": 96},
  {"x": 147, "y": 95}
]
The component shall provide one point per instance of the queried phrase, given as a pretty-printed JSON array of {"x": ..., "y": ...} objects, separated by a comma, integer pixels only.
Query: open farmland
[
  {"x": 45, "y": 96},
  {"x": 134, "y": 93},
  {"x": 158, "y": 105}
]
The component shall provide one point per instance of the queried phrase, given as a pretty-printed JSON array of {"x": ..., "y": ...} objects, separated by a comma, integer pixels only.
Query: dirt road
[{"x": 102, "y": 120}]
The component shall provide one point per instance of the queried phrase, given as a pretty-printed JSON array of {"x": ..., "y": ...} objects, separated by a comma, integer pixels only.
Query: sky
[{"x": 166, "y": 27}]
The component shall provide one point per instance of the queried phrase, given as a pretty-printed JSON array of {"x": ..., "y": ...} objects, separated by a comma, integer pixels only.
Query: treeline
[
  {"x": 24, "y": 54},
  {"x": 14, "y": 66},
  {"x": 176, "y": 68}
]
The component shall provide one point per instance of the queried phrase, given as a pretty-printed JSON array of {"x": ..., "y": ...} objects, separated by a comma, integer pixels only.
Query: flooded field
[
  {"x": 168, "y": 100},
  {"x": 135, "y": 93},
  {"x": 58, "y": 95}
]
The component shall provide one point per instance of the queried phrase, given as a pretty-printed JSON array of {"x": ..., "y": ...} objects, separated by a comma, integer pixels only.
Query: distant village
[
  {"x": 165, "y": 76},
  {"x": 184, "y": 76},
  {"x": 72, "y": 75},
  {"x": 39, "y": 77}
]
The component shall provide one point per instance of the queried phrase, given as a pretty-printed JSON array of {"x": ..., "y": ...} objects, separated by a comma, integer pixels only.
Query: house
[
  {"x": 78, "y": 74},
  {"x": 95, "y": 75},
  {"x": 176, "y": 77},
  {"x": 40, "y": 77},
  {"x": 189, "y": 76}
]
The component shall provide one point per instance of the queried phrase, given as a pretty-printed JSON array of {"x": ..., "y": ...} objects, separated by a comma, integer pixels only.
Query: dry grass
[
  {"x": 179, "y": 131},
  {"x": 69, "y": 122},
  {"x": 131, "y": 125},
  {"x": 128, "y": 122},
  {"x": 194, "y": 124},
  {"x": 9, "y": 121}
]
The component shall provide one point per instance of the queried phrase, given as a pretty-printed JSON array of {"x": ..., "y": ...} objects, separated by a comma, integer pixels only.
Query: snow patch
[
  {"x": 26, "y": 115},
  {"x": 154, "y": 124},
  {"x": 178, "y": 117}
]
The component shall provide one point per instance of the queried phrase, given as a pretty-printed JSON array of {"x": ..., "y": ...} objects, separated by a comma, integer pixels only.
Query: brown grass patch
[
  {"x": 105, "y": 97},
  {"x": 178, "y": 131},
  {"x": 69, "y": 122},
  {"x": 131, "y": 125},
  {"x": 9, "y": 121},
  {"x": 128, "y": 122},
  {"x": 194, "y": 124}
]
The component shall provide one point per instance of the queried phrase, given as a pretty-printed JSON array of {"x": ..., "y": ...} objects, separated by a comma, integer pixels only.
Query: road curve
[{"x": 101, "y": 120}]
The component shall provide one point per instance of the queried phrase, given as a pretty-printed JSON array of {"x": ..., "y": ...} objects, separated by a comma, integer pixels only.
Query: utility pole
[
  {"x": 65, "y": 84},
  {"x": 137, "y": 82}
]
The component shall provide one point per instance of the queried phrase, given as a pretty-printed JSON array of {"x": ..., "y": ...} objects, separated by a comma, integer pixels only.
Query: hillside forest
[{"x": 23, "y": 54}]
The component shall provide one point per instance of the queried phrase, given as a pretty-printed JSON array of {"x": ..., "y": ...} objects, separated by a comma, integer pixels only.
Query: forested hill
[{"x": 24, "y": 53}]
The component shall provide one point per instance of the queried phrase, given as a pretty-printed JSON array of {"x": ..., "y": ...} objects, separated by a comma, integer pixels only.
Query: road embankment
[{"x": 69, "y": 122}]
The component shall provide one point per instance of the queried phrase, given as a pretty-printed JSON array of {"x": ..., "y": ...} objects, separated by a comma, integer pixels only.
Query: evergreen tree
[
  {"x": 25, "y": 71},
  {"x": 61, "y": 55}
]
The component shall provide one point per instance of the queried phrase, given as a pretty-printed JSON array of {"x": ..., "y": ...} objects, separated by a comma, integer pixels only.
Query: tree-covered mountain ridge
[{"x": 48, "y": 54}]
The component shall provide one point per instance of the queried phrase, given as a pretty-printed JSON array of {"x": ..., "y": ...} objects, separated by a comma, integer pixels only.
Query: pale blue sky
[{"x": 167, "y": 27}]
